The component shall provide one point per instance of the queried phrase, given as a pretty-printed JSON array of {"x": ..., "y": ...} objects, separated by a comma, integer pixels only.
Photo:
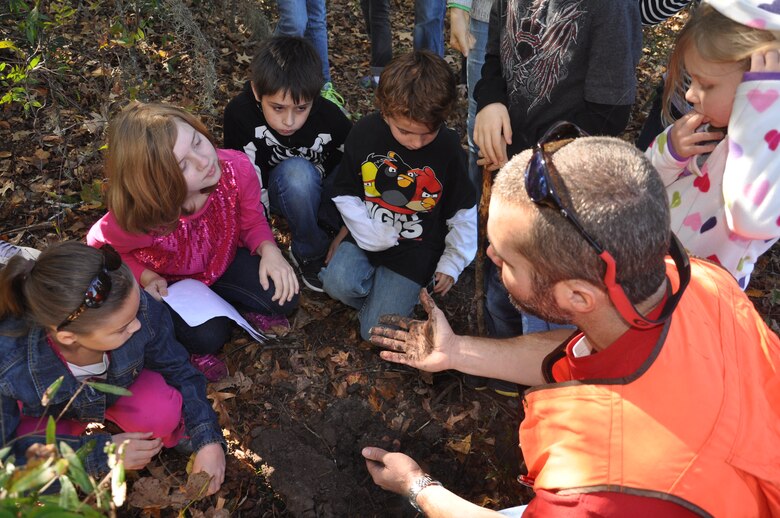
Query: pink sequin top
[{"x": 203, "y": 244}]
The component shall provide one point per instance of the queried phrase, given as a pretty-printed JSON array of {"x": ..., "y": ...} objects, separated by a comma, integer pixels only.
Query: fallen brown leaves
[
  {"x": 155, "y": 493},
  {"x": 51, "y": 180}
]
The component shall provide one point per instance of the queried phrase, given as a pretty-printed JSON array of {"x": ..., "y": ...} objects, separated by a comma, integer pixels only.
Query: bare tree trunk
[
  {"x": 232, "y": 18},
  {"x": 479, "y": 270}
]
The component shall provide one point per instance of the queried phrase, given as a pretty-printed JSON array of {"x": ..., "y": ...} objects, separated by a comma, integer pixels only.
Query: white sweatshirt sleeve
[
  {"x": 751, "y": 179},
  {"x": 460, "y": 243},
  {"x": 369, "y": 234},
  {"x": 664, "y": 159}
]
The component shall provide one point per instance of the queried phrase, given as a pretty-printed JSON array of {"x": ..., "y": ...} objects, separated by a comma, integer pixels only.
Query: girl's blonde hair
[
  {"x": 716, "y": 38},
  {"x": 45, "y": 291},
  {"x": 146, "y": 187}
]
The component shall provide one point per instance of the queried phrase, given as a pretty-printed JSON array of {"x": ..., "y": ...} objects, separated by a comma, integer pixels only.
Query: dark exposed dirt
[{"x": 297, "y": 410}]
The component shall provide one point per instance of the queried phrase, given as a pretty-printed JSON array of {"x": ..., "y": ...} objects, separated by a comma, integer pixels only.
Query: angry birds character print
[{"x": 392, "y": 183}]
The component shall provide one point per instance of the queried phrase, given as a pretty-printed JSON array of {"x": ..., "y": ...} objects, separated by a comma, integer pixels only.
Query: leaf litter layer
[{"x": 297, "y": 410}]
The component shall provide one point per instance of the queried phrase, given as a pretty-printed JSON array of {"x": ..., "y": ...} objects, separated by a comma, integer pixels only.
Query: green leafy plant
[
  {"x": 26, "y": 490},
  {"x": 23, "y": 55},
  {"x": 17, "y": 78},
  {"x": 126, "y": 36}
]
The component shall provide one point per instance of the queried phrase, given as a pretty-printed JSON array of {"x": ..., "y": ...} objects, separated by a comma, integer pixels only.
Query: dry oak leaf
[
  {"x": 341, "y": 358},
  {"x": 324, "y": 352},
  {"x": 339, "y": 389},
  {"x": 472, "y": 413},
  {"x": 454, "y": 419},
  {"x": 355, "y": 377},
  {"x": 197, "y": 485},
  {"x": 463, "y": 446},
  {"x": 218, "y": 404},
  {"x": 279, "y": 374},
  {"x": 150, "y": 493},
  {"x": 373, "y": 400}
]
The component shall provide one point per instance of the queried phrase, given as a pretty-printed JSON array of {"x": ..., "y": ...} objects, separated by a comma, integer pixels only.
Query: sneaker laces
[
  {"x": 309, "y": 271},
  {"x": 330, "y": 93}
]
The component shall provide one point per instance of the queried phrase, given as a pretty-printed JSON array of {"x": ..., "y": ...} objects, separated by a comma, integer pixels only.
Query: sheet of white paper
[{"x": 196, "y": 303}]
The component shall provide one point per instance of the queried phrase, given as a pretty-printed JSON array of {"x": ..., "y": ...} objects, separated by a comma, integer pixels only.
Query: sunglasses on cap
[
  {"x": 100, "y": 286},
  {"x": 541, "y": 176}
]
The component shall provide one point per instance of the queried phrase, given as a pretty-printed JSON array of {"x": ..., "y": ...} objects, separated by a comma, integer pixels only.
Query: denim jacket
[{"x": 28, "y": 366}]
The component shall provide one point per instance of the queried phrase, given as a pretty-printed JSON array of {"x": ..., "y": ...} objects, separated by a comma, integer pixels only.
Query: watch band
[{"x": 418, "y": 485}]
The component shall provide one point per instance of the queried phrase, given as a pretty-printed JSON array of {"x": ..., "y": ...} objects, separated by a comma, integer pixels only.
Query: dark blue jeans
[
  {"x": 428, "y": 32},
  {"x": 297, "y": 192},
  {"x": 240, "y": 286},
  {"x": 473, "y": 73},
  {"x": 373, "y": 291},
  {"x": 306, "y": 19},
  {"x": 502, "y": 319},
  {"x": 377, "y": 16},
  {"x": 429, "y": 25}
]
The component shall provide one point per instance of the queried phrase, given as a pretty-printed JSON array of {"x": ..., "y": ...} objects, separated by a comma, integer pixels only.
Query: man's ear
[
  {"x": 577, "y": 296},
  {"x": 64, "y": 337}
]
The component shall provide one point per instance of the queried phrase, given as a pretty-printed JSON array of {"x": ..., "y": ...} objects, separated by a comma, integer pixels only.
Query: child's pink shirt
[{"x": 203, "y": 244}]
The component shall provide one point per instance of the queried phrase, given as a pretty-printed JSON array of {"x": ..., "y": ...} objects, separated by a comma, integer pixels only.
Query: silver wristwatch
[{"x": 418, "y": 485}]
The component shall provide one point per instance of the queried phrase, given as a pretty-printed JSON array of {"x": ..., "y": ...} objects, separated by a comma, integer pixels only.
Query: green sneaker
[{"x": 330, "y": 93}]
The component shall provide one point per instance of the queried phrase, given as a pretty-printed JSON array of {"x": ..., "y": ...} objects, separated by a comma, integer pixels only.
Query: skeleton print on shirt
[{"x": 280, "y": 152}]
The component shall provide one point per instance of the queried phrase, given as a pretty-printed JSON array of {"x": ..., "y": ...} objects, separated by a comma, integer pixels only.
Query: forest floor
[{"x": 296, "y": 410}]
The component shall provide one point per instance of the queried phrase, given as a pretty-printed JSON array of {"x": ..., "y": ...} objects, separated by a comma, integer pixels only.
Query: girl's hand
[
  {"x": 443, "y": 283},
  {"x": 335, "y": 243},
  {"x": 765, "y": 61},
  {"x": 140, "y": 448},
  {"x": 686, "y": 142},
  {"x": 275, "y": 266},
  {"x": 154, "y": 285},
  {"x": 211, "y": 459}
]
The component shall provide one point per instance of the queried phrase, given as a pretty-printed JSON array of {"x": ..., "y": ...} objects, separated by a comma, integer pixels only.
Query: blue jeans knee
[
  {"x": 240, "y": 286},
  {"x": 292, "y": 18},
  {"x": 295, "y": 192},
  {"x": 351, "y": 279},
  {"x": 391, "y": 293},
  {"x": 347, "y": 277}
]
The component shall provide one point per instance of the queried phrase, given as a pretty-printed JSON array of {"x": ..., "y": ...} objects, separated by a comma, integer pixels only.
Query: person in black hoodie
[
  {"x": 553, "y": 60},
  {"x": 295, "y": 138},
  {"x": 548, "y": 61}
]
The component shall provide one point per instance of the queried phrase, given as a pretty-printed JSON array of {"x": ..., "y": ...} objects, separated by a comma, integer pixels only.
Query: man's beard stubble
[{"x": 541, "y": 304}]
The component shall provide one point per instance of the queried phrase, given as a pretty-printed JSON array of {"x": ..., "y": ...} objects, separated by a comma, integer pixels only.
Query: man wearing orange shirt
[{"x": 665, "y": 400}]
